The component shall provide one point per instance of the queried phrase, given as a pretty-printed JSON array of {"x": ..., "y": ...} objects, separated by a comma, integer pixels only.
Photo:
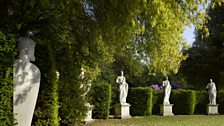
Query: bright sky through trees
[{"x": 189, "y": 34}]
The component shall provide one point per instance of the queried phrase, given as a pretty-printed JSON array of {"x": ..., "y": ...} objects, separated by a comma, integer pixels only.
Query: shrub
[
  {"x": 157, "y": 100},
  {"x": 220, "y": 101},
  {"x": 46, "y": 112},
  {"x": 140, "y": 100},
  {"x": 101, "y": 99},
  {"x": 201, "y": 102},
  {"x": 184, "y": 101},
  {"x": 7, "y": 54}
]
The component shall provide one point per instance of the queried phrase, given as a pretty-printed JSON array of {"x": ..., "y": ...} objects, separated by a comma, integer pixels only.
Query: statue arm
[
  {"x": 117, "y": 80},
  {"x": 207, "y": 86},
  {"x": 163, "y": 83}
]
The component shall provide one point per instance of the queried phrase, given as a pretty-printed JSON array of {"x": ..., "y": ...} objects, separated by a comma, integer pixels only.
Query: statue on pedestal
[
  {"x": 85, "y": 84},
  {"x": 167, "y": 91},
  {"x": 26, "y": 78},
  {"x": 85, "y": 87},
  {"x": 123, "y": 88},
  {"x": 212, "y": 92}
]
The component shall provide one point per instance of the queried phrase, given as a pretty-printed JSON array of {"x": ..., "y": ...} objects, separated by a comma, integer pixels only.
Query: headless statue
[
  {"x": 26, "y": 83},
  {"x": 123, "y": 86},
  {"x": 167, "y": 86},
  {"x": 212, "y": 92}
]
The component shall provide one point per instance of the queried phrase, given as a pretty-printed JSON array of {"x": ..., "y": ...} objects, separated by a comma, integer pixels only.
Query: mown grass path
[{"x": 179, "y": 120}]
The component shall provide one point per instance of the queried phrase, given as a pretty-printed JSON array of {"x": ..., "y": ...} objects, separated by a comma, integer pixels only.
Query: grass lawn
[{"x": 179, "y": 120}]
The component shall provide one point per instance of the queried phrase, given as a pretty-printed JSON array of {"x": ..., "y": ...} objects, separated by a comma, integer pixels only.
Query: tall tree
[
  {"x": 84, "y": 33},
  {"x": 206, "y": 56}
]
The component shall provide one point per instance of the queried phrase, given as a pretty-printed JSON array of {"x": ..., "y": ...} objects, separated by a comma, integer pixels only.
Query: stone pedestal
[
  {"x": 212, "y": 109},
  {"x": 88, "y": 117},
  {"x": 122, "y": 111},
  {"x": 166, "y": 109}
]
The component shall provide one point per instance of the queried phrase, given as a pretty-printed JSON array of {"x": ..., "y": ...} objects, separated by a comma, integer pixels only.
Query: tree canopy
[
  {"x": 206, "y": 56},
  {"x": 89, "y": 33}
]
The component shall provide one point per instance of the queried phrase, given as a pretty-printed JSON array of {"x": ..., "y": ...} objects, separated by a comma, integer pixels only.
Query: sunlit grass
[{"x": 180, "y": 120}]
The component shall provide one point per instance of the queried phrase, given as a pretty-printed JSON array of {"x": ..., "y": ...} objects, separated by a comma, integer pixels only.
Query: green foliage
[
  {"x": 201, "y": 102},
  {"x": 145, "y": 27},
  {"x": 140, "y": 100},
  {"x": 46, "y": 112},
  {"x": 206, "y": 56},
  {"x": 87, "y": 33},
  {"x": 220, "y": 101},
  {"x": 157, "y": 100},
  {"x": 101, "y": 99},
  {"x": 72, "y": 109},
  {"x": 7, "y": 54},
  {"x": 184, "y": 102}
]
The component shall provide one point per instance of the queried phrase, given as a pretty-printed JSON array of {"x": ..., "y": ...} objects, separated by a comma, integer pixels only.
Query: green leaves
[
  {"x": 205, "y": 56},
  {"x": 7, "y": 54}
]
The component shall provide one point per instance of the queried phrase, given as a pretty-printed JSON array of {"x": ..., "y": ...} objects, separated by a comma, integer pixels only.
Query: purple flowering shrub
[
  {"x": 160, "y": 87},
  {"x": 156, "y": 87},
  {"x": 175, "y": 86}
]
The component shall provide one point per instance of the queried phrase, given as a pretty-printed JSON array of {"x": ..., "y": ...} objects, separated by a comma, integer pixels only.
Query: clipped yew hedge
[
  {"x": 46, "y": 111},
  {"x": 101, "y": 99},
  {"x": 201, "y": 102},
  {"x": 220, "y": 101},
  {"x": 7, "y": 53},
  {"x": 140, "y": 100},
  {"x": 157, "y": 100},
  {"x": 184, "y": 102}
]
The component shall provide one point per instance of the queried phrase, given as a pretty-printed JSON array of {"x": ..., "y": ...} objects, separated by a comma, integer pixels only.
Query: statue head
[
  {"x": 167, "y": 78},
  {"x": 122, "y": 73},
  {"x": 210, "y": 80},
  {"x": 26, "y": 49}
]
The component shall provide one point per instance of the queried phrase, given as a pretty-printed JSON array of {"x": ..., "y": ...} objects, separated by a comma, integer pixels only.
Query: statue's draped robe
[
  {"x": 167, "y": 86},
  {"x": 123, "y": 88},
  {"x": 26, "y": 87},
  {"x": 212, "y": 92}
]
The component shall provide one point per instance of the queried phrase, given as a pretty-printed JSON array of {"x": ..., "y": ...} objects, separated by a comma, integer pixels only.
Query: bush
[
  {"x": 7, "y": 54},
  {"x": 220, "y": 101},
  {"x": 101, "y": 99},
  {"x": 157, "y": 100},
  {"x": 201, "y": 102},
  {"x": 184, "y": 101},
  {"x": 140, "y": 100},
  {"x": 46, "y": 112}
]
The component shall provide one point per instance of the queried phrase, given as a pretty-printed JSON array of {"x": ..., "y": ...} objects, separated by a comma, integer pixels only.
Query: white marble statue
[
  {"x": 26, "y": 78},
  {"x": 212, "y": 92},
  {"x": 85, "y": 84},
  {"x": 167, "y": 91},
  {"x": 123, "y": 88},
  {"x": 85, "y": 87}
]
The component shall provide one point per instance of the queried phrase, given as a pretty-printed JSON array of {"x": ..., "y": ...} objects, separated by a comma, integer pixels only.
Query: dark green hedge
[
  {"x": 220, "y": 101},
  {"x": 140, "y": 100},
  {"x": 184, "y": 101},
  {"x": 7, "y": 54},
  {"x": 46, "y": 112},
  {"x": 101, "y": 99},
  {"x": 201, "y": 102},
  {"x": 157, "y": 100}
]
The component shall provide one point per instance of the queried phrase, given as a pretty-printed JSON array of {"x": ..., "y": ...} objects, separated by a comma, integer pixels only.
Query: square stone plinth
[
  {"x": 122, "y": 111},
  {"x": 88, "y": 117},
  {"x": 166, "y": 109},
  {"x": 212, "y": 109}
]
